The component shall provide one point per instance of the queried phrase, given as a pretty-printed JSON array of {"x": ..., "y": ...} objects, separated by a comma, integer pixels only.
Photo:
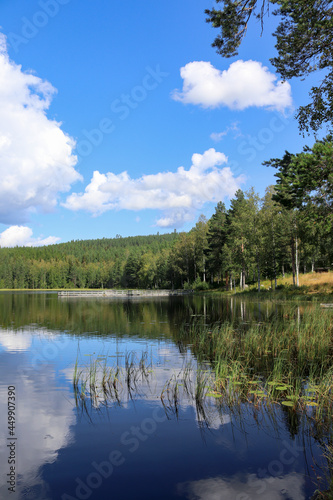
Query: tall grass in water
[
  {"x": 100, "y": 383},
  {"x": 170, "y": 396},
  {"x": 285, "y": 361},
  {"x": 280, "y": 359}
]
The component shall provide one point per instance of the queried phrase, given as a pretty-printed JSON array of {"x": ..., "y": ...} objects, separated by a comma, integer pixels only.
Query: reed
[
  {"x": 274, "y": 362},
  {"x": 286, "y": 361},
  {"x": 170, "y": 396},
  {"x": 282, "y": 365},
  {"x": 102, "y": 384}
]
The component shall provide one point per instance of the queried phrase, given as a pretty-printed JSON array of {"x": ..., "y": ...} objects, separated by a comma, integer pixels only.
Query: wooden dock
[{"x": 122, "y": 293}]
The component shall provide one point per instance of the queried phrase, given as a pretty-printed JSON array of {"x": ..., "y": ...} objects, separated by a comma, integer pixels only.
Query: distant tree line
[
  {"x": 289, "y": 230},
  {"x": 100, "y": 263}
]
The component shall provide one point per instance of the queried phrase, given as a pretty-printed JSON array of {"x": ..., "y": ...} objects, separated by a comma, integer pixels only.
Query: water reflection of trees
[{"x": 150, "y": 317}]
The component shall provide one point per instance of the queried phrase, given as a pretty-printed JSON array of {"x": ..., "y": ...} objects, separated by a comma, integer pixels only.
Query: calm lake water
[{"x": 66, "y": 448}]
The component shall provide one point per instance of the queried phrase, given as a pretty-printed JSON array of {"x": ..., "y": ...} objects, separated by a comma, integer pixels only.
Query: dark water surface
[{"x": 133, "y": 448}]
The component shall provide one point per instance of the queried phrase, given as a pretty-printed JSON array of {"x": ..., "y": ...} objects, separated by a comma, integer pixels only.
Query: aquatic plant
[{"x": 283, "y": 366}]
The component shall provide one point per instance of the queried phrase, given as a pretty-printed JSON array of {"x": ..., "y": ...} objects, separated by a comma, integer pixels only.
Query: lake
[{"x": 99, "y": 400}]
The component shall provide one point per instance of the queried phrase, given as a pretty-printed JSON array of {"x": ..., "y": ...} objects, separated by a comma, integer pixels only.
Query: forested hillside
[
  {"x": 290, "y": 229},
  {"x": 87, "y": 263},
  {"x": 255, "y": 238}
]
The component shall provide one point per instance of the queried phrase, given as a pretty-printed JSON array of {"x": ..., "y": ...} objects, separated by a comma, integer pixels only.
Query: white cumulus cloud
[
  {"x": 243, "y": 84},
  {"x": 36, "y": 156},
  {"x": 178, "y": 194},
  {"x": 22, "y": 236}
]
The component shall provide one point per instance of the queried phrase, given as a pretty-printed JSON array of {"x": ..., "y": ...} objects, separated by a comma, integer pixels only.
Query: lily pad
[
  {"x": 288, "y": 403},
  {"x": 281, "y": 388}
]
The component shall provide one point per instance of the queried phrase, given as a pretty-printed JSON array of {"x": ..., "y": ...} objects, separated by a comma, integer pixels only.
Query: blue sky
[{"x": 120, "y": 118}]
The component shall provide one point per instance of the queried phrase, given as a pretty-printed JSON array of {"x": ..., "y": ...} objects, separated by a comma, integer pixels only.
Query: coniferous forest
[
  {"x": 255, "y": 238},
  {"x": 289, "y": 230}
]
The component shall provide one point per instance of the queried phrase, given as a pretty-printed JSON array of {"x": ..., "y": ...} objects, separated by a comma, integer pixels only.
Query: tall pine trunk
[
  {"x": 274, "y": 257},
  {"x": 242, "y": 276},
  {"x": 293, "y": 258},
  {"x": 296, "y": 256},
  {"x": 258, "y": 267}
]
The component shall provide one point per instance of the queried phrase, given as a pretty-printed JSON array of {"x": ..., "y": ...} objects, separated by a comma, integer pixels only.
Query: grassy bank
[
  {"x": 310, "y": 284},
  {"x": 313, "y": 286},
  {"x": 317, "y": 287}
]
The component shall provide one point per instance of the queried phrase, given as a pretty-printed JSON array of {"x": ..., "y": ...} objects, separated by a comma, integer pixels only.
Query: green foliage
[
  {"x": 103, "y": 263},
  {"x": 305, "y": 184},
  {"x": 290, "y": 228},
  {"x": 216, "y": 239},
  {"x": 306, "y": 177},
  {"x": 200, "y": 285}
]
